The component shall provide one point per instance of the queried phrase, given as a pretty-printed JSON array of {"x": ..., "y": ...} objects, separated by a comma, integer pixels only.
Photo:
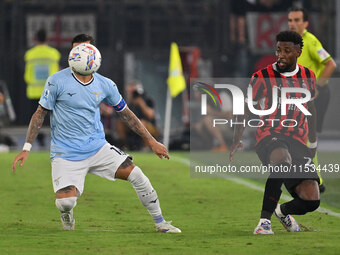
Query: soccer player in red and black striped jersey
[{"x": 281, "y": 137}]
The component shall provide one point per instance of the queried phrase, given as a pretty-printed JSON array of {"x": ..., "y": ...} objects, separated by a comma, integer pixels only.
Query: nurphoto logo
[{"x": 281, "y": 100}]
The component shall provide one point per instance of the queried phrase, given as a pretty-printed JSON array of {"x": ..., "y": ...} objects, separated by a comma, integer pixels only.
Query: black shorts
[{"x": 302, "y": 167}]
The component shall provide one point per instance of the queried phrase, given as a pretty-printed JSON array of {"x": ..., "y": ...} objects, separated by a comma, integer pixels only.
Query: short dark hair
[
  {"x": 41, "y": 35},
  {"x": 290, "y": 36},
  {"x": 83, "y": 38},
  {"x": 305, "y": 15}
]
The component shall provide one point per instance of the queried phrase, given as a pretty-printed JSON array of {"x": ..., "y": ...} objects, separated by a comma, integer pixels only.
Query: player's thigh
[
  {"x": 273, "y": 150},
  {"x": 107, "y": 161},
  {"x": 279, "y": 156},
  {"x": 302, "y": 158},
  {"x": 303, "y": 181},
  {"x": 66, "y": 173},
  {"x": 69, "y": 191}
]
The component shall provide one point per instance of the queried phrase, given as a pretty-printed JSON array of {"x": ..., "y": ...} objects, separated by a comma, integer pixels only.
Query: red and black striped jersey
[{"x": 294, "y": 123}]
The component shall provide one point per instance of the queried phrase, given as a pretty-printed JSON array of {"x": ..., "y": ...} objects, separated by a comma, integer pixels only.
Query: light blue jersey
[{"x": 76, "y": 130}]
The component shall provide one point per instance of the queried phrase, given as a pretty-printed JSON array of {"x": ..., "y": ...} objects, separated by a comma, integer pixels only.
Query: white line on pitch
[{"x": 256, "y": 187}]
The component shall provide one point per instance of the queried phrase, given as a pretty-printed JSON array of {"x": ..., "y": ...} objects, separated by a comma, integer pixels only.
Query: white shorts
[{"x": 104, "y": 164}]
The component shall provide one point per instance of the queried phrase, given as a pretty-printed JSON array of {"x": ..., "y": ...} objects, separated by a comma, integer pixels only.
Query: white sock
[
  {"x": 262, "y": 220},
  {"x": 278, "y": 211},
  {"x": 66, "y": 204},
  {"x": 146, "y": 193}
]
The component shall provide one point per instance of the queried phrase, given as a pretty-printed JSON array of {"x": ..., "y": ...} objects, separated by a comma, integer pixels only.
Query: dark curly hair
[
  {"x": 290, "y": 36},
  {"x": 82, "y": 38}
]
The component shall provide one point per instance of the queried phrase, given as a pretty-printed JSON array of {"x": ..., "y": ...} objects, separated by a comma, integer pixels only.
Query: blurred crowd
[{"x": 239, "y": 61}]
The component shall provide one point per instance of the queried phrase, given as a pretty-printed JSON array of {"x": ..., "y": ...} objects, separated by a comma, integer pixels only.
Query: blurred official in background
[
  {"x": 41, "y": 61},
  {"x": 316, "y": 58}
]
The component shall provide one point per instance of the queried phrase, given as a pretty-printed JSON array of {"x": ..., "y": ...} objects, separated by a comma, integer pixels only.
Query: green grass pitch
[{"x": 216, "y": 216}]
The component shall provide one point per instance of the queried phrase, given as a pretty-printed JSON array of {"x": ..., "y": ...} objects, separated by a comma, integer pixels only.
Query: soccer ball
[{"x": 84, "y": 59}]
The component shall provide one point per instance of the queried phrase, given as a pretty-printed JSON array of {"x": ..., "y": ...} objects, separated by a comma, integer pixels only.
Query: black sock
[
  {"x": 271, "y": 197},
  {"x": 293, "y": 207},
  {"x": 298, "y": 206}
]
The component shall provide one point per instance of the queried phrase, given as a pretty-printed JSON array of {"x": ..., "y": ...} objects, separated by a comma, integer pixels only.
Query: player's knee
[
  {"x": 280, "y": 156},
  {"x": 137, "y": 177},
  {"x": 66, "y": 204},
  {"x": 68, "y": 191},
  {"x": 311, "y": 205},
  {"x": 127, "y": 163}
]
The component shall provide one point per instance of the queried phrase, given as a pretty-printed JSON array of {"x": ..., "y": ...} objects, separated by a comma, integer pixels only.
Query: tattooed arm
[
  {"x": 32, "y": 132},
  {"x": 35, "y": 124},
  {"x": 136, "y": 126}
]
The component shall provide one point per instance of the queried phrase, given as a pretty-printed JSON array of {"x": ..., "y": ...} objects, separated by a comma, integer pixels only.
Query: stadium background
[{"x": 134, "y": 38}]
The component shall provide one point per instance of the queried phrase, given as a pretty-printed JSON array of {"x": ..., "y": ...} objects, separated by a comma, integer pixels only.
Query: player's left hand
[{"x": 159, "y": 149}]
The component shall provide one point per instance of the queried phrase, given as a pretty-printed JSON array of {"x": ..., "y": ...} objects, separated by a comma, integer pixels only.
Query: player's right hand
[
  {"x": 22, "y": 156},
  {"x": 234, "y": 148}
]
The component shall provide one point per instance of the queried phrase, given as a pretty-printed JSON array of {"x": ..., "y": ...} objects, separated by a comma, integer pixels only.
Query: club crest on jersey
[
  {"x": 97, "y": 94},
  {"x": 46, "y": 94}
]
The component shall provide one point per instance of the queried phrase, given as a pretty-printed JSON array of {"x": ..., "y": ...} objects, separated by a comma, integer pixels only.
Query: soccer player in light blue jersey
[{"x": 78, "y": 144}]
